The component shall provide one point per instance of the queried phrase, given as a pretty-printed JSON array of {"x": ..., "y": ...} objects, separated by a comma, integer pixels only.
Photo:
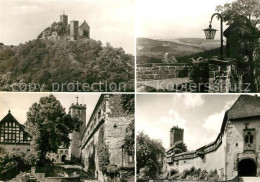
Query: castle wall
[
  {"x": 211, "y": 161},
  {"x": 109, "y": 115},
  {"x": 114, "y": 136},
  {"x": 11, "y": 148},
  {"x": 219, "y": 77},
  {"x": 158, "y": 71},
  {"x": 225, "y": 159}
]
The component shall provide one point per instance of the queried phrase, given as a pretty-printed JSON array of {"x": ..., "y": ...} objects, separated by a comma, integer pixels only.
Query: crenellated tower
[
  {"x": 64, "y": 19},
  {"x": 176, "y": 135},
  {"x": 77, "y": 110}
]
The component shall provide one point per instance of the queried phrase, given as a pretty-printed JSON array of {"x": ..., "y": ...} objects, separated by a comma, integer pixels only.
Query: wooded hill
[{"x": 63, "y": 61}]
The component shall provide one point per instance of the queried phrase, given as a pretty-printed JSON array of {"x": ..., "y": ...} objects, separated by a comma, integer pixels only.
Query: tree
[
  {"x": 129, "y": 140},
  {"x": 128, "y": 103},
  {"x": 149, "y": 154},
  {"x": 245, "y": 14},
  {"x": 179, "y": 147},
  {"x": 50, "y": 126}
]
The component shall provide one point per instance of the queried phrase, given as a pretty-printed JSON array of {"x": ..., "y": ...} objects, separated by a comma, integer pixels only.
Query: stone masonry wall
[
  {"x": 9, "y": 148},
  {"x": 108, "y": 114},
  {"x": 159, "y": 71},
  {"x": 114, "y": 138},
  {"x": 219, "y": 78}
]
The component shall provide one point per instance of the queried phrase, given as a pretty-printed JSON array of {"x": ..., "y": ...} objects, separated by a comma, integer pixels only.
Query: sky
[
  {"x": 19, "y": 103},
  {"x": 174, "y": 19},
  {"x": 200, "y": 115},
  {"x": 110, "y": 20}
]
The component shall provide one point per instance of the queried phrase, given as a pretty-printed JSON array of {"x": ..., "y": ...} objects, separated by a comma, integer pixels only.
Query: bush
[{"x": 12, "y": 164}]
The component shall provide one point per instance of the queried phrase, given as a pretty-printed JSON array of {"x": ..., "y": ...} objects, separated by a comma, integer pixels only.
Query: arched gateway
[
  {"x": 63, "y": 158},
  {"x": 247, "y": 167}
]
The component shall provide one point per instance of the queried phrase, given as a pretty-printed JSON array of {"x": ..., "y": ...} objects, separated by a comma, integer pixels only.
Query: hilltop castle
[{"x": 63, "y": 30}]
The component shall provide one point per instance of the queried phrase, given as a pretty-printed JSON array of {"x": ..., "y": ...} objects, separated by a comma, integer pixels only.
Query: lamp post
[{"x": 210, "y": 32}]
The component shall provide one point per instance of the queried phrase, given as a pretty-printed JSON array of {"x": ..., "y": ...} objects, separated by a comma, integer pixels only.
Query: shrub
[{"x": 12, "y": 164}]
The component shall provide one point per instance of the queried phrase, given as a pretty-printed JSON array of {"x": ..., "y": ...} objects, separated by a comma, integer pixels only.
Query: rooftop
[{"x": 245, "y": 106}]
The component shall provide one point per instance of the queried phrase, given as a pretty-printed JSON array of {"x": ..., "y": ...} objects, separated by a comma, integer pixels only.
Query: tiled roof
[{"x": 245, "y": 106}]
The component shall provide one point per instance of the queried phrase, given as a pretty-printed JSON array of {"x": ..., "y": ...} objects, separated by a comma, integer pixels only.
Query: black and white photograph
[
  {"x": 194, "y": 137},
  {"x": 65, "y": 137},
  {"x": 130, "y": 90},
  {"x": 198, "y": 46},
  {"x": 67, "y": 45}
]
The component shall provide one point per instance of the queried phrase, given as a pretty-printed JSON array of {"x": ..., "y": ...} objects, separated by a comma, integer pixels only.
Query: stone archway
[
  {"x": 63, "y": 158},
  {"x": 247, "y": 167}
]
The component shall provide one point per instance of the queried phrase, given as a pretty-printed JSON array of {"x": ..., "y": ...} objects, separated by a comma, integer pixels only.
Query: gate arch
[
  {"x": 247, "y": 167},
  {"x": 63, "y": 158}
]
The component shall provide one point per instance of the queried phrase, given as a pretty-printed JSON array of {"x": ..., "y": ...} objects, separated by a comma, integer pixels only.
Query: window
[
  {"x": 204, "y": 159},
  {"x": 249, "y": 139},
  {"x": 130, "y": 159}
]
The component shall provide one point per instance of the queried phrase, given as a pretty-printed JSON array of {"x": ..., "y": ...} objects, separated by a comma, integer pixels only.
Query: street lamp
[{"x": 210, "y": 33}]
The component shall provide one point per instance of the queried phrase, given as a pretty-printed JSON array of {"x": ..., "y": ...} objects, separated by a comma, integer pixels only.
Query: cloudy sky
[
  {"x": 110, "y": 20},
  {"x": 200, "y": 115},
  {"x": 175, "y": 18},
  {"x": 19, "y": 103}
]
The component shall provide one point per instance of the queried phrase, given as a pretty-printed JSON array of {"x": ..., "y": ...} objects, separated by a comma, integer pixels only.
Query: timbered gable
[{"x": 12, "y": 132}]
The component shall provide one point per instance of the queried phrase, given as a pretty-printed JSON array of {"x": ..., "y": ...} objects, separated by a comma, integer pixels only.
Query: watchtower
[
  {"x": 64, "y": 19},
  {"x": 74, "y": 29},
  {"x": 176, "y": 135},
  {"x": 77, "y": 110}
]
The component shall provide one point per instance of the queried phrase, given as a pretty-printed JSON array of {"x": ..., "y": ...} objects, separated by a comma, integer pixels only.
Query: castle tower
[
  {"x": 64, "y": 19},
  {"x": 78, "y": 110},
  {"x": 176, "y": 135},
  {"x": 74, "y": 29}
]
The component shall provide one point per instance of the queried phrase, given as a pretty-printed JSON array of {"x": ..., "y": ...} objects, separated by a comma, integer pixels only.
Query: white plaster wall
[{"x": 235, "y": 135}]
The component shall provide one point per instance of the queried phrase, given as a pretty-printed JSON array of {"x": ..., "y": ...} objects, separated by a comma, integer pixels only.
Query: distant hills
[{"x": 156, "y": 49}]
